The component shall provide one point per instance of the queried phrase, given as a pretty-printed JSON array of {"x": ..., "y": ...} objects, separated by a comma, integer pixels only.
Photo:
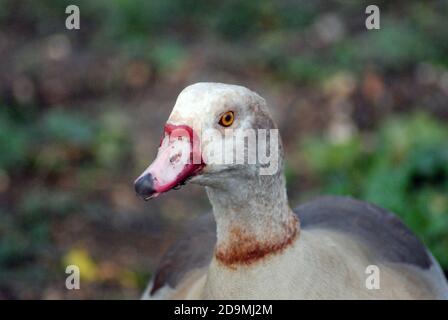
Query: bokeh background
[{"x": 362, "y": 113}]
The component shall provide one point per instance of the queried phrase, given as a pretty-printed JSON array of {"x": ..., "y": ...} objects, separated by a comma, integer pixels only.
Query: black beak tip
[{"x": 144, "y": 186}]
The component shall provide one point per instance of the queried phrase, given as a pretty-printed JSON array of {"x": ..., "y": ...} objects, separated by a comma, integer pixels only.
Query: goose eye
[{"x": 227, "y": 119}]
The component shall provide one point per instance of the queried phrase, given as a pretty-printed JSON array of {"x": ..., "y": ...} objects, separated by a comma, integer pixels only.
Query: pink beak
[{"x": 178, "y": 159}]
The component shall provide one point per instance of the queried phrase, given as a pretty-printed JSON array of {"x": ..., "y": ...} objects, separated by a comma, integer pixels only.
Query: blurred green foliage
[
  {"x": 34, "y": 151},
  {"x": 403, "y": 167},
  {"x": 60, "y": 138},
  {"x": 160, "y": 31}
]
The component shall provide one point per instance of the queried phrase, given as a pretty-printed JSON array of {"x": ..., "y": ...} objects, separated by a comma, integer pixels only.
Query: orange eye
[{"x": 227, "y": 119}]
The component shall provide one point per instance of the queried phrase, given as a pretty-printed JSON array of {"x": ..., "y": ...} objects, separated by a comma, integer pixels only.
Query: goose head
[{"x": 217, "y": 135}]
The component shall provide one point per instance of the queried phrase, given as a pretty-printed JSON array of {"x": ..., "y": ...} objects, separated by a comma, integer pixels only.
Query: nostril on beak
[{"x": 144, "y": 186}]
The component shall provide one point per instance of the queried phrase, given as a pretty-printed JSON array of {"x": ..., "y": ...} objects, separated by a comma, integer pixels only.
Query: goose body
[{"x": 252, "y": 245}]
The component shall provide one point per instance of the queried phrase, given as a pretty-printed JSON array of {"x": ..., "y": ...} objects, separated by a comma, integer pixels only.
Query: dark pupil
[{"x": 228, "y": 118}]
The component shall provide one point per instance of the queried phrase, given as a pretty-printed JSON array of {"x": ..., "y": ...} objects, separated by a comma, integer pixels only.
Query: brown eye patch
[{"x": 227, "y": 119}]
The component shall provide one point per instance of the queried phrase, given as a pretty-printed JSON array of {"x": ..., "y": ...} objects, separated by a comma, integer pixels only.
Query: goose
[{"x": 253, "y": 245}]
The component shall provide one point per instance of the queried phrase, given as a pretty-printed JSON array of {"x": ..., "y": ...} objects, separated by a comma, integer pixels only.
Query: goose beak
[{"x": 178, "y": 159}]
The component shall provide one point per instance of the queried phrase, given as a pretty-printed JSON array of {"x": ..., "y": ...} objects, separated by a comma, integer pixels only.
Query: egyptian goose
[{"x": 253, "y": 246}]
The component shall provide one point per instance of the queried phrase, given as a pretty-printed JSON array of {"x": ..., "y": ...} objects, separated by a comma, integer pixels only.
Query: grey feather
[
  {"x": 193, "y": 249},
  {"x": 385, "y": 236}
]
